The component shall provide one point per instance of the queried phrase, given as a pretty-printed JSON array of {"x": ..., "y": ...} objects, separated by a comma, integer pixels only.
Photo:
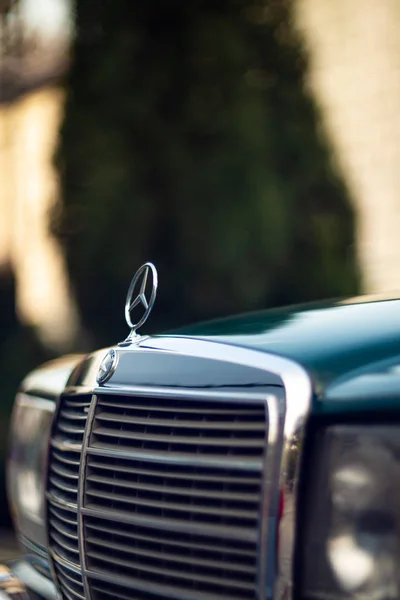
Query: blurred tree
[{"x": 189, "y": 140}]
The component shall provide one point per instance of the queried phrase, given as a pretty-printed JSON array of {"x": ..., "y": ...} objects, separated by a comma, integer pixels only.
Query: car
[{"x": 253, "y": 457}]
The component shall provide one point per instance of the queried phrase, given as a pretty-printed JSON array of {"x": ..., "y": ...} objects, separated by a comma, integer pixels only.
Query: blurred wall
[
  {"x": 29, "y": 194},
  {"x": 354, "y": 74}
]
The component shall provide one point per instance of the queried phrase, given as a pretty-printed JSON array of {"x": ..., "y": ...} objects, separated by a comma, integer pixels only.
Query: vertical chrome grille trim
[
  {"x": 267, "y": 532},
  {"x": 82, "y": 469}
]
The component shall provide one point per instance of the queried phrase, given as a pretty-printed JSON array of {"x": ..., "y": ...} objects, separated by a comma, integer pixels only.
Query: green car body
[
  {"x": 351, "y": 348},
  {"x": 315, "y": 368}
]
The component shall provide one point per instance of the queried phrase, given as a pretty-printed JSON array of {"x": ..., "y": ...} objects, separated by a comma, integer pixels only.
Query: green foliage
[{"x": 189, "y": 140}]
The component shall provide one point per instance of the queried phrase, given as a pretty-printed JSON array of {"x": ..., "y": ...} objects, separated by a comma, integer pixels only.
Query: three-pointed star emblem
[
  {"x": 141, "y": 297},
  {"x": 133, "y": 299}
]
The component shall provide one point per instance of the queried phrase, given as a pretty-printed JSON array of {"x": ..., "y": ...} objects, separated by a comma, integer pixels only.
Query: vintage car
[{"x": 250, "y": 458}]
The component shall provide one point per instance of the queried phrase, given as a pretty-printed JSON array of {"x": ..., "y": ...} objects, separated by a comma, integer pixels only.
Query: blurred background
[{"x": 249, "y": 148}]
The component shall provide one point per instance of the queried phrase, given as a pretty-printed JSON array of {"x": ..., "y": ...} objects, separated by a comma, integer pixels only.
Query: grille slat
[
  {"x": 148, "y": 591},
  {"x": 206, "y": 408},
  {"x": 241, "y": 463},
  {"x": 68, "y": 594},
  {"x": 57, "y": 500},
  {"x": 68, "y": 545},
  {"x": 76, "y": 404},
  {"x": 66, "y": 445},
  {"x": 62, "y": 471},
  {"x": 176, "y": 440},
  {"x": 63, "y": 476},
  {"x": 62, "y": 528},
  {"x": 179, "y": 559},
  {"x": 66, "y": 428},
  {"x": 172, "y": 497},
  {"x": 178, "y": 575},
  {"x": 115, "y": 592},
  {"x": 72, "y": 458},
  {"x": 71, "y": 582},
  {"x": 63, "y": 485},
  {"x": 233, "y": 532},
  {"x": 180, "y": 424},
  {"x": 174, "y": 490},
  {"x": 173, "y": 542},
  {"x": 163, "y": 506},
  {"x": 63, "y": 516},
  {"x": 70, "y": 415},
  {"x": 61, "y": 551},
  {"x": 61, "y": 498},
  {"x": 70, "y": 587},
  {"x": 155, "y": 470}
]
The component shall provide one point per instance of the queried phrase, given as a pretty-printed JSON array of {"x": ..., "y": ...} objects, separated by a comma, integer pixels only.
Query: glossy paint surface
[
  {"x": 350, "y": 349},
  {"x": 335, "y": 342}
]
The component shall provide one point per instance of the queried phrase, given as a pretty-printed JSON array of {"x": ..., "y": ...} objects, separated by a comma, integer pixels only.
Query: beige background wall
[
  {"x": 354, "y": 56},
  {"x": 28, "y": 193}
]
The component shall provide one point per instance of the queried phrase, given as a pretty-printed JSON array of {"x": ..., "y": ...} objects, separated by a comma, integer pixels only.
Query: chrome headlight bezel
[
  {"x": 29, "y": 437},
  {"x": 348, "y": 546}
]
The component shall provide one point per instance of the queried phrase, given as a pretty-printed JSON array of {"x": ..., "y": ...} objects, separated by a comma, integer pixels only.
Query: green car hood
[{"x": 346, "y": 346}]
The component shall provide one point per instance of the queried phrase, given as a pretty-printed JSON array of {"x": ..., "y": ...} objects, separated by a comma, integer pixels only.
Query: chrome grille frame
[
  {"x": 272, "y": 449},
  {"x": 82, "y": 470},
  {"x": 287, "y": 418}
]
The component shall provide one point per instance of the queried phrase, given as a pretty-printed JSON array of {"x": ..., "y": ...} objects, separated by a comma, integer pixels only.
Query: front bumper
[{"x": 20, "y": 581}]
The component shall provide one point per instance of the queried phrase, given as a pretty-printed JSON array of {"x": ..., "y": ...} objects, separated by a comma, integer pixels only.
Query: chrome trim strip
[
  {"x": 223, "y": 394},
  {"x": 61, "y": 503},
  {"x": 65, "y": 446},
  {"x": 266, "y": 571},
  {"x": 65, "y": 563},
  {"x": 81, "y": 481},
  {"x": 249, "y": 465},
  {"x": 296, "y": 380},
  {"x": 162, "y": 523}
]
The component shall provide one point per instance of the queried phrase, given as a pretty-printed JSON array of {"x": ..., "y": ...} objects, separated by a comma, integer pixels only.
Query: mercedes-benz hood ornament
[{"x": 140, "y": 298}]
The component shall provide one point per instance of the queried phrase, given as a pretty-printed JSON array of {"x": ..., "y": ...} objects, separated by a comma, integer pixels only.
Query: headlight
[
  {"x": 351, "y": 541},
  {"x": 26, "y": 472}
]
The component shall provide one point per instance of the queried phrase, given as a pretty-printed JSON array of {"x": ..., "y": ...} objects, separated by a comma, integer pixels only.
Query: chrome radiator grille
[
  {"x": 172, "y": 497},
  {"x": 62, "y": 495}
]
